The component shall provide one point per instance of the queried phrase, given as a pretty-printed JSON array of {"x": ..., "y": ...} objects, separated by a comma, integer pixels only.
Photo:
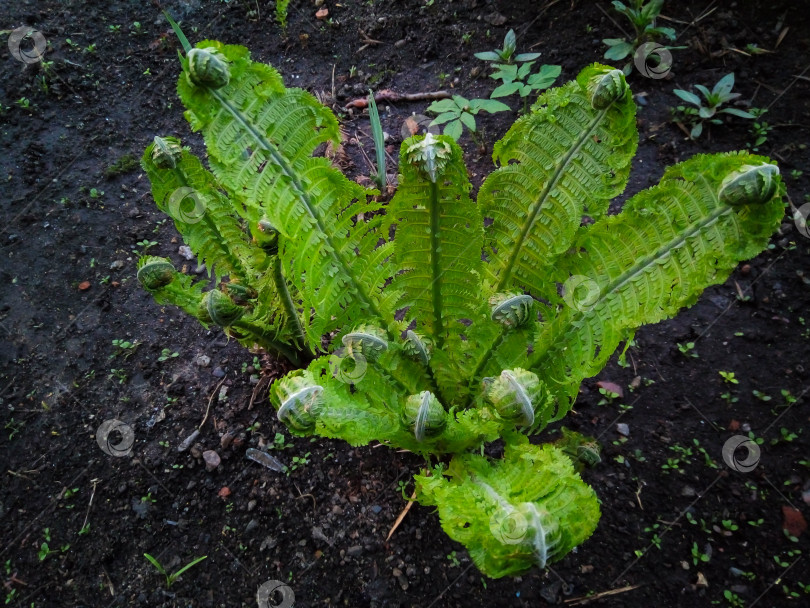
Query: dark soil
[{"x": 73, "y": 212}]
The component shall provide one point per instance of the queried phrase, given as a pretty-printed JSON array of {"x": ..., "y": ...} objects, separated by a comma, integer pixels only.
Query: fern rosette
[{"x": 479, "y": 319}]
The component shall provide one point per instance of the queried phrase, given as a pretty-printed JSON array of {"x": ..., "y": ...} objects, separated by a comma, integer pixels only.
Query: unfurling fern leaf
[{"x": 449, "y": 335}]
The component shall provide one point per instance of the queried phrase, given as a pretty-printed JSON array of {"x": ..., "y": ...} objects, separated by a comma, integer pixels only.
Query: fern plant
[{"x": 432, "y": 330}]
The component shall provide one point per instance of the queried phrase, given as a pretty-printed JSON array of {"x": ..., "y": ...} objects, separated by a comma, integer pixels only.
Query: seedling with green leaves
[
  {"x": 507, "y": 55},
  {"x": 708, "y": 108},
  {"x": 447, "y": 332},
  {"x": 458, "y": 112},
  {"x": 642, "y": 17},
  {"x": 520, "y": 80},
  {"x": 514, "y": 71},
  {"x": 171, "y": 578}
]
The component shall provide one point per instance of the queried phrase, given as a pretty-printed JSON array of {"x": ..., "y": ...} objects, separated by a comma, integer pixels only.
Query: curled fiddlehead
[
  {"x": 605, "y": 88},
  {"x": 207, "y": 68},
  {"x": 429, "y": 154},
  {"x": 367, "y": 340},
  {"x": 300, "y": 398},
  {"x": 751, "y": 185},
  {"x": 517, "y": 395},
  {"x": 424, "y": 416},
  {"x": 219, "y": 308},
  {"x": 266, "y": 237},
  {"x": 512, "y": 310},
  {"x": 418, "y": 346},
  {"x": 240, "y": 294},
  {"x": 155, "y": 272},
  {"x": 167, "y": 152}
]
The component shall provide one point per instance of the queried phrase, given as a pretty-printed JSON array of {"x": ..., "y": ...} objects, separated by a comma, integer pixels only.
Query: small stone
[
  {"x": 623, "y": 429},
  {"x": 202, "y": 360},
  {"x": 117, "y": 265},
  {"x": 376, "y": 509},
  {"x": 745, "y": 269},
  {"x": 354, "y": 551},
  {"x": 688, "y": 491},
  {"x": 218, "y": 372},
  {"x": 186, "y": 252},
  {"x": 224, "y": 492},
  {"x": 195, "y": 452},
  {"x": 268, "y": 543},
  {"x": 400, "y": 43},
  {"x": 226, "y": 440},
  {"x": 322, "y": 13},
  {"x": 495, "y": 19},
  {"x": 317, "y": 534},
  {"x": 251, "y": 505},
  {"x": 264, "y": 459},
  {"x": 401, "y": 579},
  {"x": 211, "y": 459},
  {"x": 252, "y": 525},
  {"x": 84, "y": 285}
]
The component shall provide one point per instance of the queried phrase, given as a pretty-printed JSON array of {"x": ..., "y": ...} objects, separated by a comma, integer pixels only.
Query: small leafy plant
[
  {"x": 171, "y": 578},
  {"x": 708, "y": 108},
  {"x": 446, "y": 332},
  {"x": 458, "y": 112},
  {"x": 514, "y": 71},
  {"x": 642, "y": 16},
  {"x": 507, "y": 55}
]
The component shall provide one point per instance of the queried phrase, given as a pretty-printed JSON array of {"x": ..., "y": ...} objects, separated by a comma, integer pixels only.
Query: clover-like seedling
[{"x": 709, "y": 107}]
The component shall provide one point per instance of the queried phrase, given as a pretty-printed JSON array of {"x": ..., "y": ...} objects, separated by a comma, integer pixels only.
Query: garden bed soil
[{"x": 75, "y": 208}]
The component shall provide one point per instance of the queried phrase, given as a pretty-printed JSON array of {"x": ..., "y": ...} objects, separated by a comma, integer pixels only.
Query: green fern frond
[
  {"x": 202, "y": 214},
  {"x": 438, "y": 237},
  {"x": 643, "y": 265},
  {"x": 570, "y": 156},
  {"x": 260, "y": 138},
  {"x": 527, "y": 509}
]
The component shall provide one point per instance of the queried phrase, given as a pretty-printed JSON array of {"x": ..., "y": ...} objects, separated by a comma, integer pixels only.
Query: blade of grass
[
  {"x": 177, "y": 574},
  {"x": 379, "y": 142},
  {"x": 178, "y": 32}
]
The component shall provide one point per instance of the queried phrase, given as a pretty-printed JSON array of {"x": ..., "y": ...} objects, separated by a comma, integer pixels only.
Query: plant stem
[
  {"x": 269, "y": 343},
  {"x": 289, "y": 307},
  {"x": 435, "y": 234}
]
